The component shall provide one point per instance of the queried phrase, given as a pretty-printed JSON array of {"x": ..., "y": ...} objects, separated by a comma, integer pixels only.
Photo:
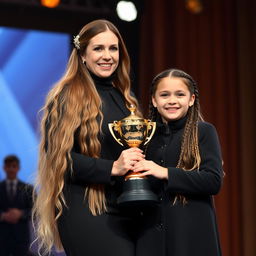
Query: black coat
[
  {"x": 111, "y": 233},
  {"x": 13, "y": 235},
  {"x": 190, "y": 229}
]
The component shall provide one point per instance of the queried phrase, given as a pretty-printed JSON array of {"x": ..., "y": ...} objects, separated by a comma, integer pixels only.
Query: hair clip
[{"x": 76, "y": 42}]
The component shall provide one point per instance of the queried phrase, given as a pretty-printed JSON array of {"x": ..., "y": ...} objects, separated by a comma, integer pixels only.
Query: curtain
[{"x": 214, "y": 48}]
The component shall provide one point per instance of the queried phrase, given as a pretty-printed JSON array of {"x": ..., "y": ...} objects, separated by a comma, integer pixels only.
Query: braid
[{"x": 152, "y": 112}]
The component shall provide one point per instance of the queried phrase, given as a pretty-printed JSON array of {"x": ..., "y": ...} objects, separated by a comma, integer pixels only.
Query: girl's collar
[{"x": 171, "y": 125}]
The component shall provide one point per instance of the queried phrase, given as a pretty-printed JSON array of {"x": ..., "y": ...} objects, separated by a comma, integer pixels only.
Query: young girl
[{"x": 185, "y": 171}]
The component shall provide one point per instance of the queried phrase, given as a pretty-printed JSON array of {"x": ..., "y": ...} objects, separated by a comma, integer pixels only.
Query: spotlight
[
  {"x": 194, "y": 6},
  {"x": 126, "y": 10},
  {"x": 50, "y": 3}
]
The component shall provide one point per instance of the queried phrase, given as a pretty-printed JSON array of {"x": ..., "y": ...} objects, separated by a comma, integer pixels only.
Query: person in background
[
  {"x": 80, "y": 164},
  {"x": 15, "y": 211},
  {"x": 185, "y": 170}
]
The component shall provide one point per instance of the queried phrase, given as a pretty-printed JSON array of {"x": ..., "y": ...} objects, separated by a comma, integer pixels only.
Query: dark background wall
[{"x": 217, "y": 47}]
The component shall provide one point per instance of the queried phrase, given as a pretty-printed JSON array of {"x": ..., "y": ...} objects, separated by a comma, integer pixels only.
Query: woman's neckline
[{"x": 103, "y": 82}]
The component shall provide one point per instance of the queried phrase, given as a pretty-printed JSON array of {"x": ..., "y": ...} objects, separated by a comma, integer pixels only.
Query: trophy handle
[
  {"x": 151, "y": 127},
  {"x": 111, "y": 126}
]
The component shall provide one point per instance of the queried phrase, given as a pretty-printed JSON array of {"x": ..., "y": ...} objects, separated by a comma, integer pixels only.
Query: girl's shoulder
[
  {"x": 207, "y": 134},
  {"x": 204, "y": 124},
  {"x": 206, "y": 127}
]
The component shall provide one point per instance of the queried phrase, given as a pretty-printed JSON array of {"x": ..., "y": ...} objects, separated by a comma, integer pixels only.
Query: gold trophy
[{"x": 134, "y": 131}]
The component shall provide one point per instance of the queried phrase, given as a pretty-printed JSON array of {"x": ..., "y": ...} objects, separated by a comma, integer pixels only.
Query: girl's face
[
  {"x": 172, "y": 98},
  {"x": 102, "y": 54}
]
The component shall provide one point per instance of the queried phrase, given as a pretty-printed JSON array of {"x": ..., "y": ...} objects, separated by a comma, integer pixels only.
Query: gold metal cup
[{"x": 134, "y": 131}]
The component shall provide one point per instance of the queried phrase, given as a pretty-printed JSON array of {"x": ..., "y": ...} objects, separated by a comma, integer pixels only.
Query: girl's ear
[
  {"x": 192, "y": 100},
  {"x": 153, "y": 101}
]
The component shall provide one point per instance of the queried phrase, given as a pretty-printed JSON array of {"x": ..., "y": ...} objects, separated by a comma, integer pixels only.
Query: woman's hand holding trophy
[{"x": 133, "y": 132}]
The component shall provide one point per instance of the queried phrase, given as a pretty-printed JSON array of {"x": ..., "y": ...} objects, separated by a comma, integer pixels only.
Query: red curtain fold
[{"x": 207, "y": 46}]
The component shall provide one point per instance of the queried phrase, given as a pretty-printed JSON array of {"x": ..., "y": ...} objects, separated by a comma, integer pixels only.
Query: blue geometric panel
[{"x": 30, "y": 63}]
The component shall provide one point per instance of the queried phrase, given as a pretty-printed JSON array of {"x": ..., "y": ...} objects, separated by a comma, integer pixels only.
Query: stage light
[
  {"x": 194, "y": 6},
  {"x": 50, "y": 3},
  {"x": 126, "y": 10}
]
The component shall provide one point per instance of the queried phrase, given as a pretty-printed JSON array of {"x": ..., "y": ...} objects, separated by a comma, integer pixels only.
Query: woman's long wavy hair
[
  {"x": 189, "y": 158},
  {"x": 73, "y": 106}
]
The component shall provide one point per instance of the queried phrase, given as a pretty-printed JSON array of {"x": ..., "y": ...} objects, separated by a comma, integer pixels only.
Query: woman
[
  {"x": 81, "y": 165},
  {"x": 186, "y": 173}
]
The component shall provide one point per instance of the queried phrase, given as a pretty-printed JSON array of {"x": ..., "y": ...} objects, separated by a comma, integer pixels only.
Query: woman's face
[
  {"x": 102, "y": 54},
  {"x": 172, "y": 98}
]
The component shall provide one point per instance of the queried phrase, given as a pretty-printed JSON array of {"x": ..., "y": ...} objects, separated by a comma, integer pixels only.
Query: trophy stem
[{"x": 132, "y": 175}]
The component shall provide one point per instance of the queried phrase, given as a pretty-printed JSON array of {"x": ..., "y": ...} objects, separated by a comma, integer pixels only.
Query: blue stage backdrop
[{"x": 30, "y": 63}]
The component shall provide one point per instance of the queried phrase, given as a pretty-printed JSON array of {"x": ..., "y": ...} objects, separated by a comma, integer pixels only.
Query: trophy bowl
[{"x": 134, "y": 131}]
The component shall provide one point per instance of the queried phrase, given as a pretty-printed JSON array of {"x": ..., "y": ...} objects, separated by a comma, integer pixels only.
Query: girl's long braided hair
[{"x": 189, "y": 158}]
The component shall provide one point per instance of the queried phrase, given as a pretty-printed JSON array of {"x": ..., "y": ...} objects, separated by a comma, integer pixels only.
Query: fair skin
[
  {"x": 12, "y": 215},
  {"x": 102, "y": 54},
  {"x": 126, "y": 161},
  {"x": 172, "y": 100}
]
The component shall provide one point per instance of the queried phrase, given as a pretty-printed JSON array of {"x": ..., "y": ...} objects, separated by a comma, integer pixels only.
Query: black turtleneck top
[
  {"x": 165, "y": 149},
  {"x": 183, "y": 229},
  {"x": 110, "y": 233},
  {"x": 88, "y": 170},
  {"x": 113, "y": 108}
]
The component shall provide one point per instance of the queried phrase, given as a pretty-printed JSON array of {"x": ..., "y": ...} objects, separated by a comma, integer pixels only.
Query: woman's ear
[{"x": 83, "y": 59}]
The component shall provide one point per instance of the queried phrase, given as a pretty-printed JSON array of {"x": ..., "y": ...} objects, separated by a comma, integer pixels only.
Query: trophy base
[{"x": 136, "y": 192}]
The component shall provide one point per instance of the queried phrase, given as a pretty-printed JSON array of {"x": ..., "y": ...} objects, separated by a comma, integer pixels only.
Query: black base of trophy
[{"x": 137, "y": 192}]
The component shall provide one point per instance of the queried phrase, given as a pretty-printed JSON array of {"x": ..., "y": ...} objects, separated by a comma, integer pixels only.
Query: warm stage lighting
[
  {"x": 50, "y": 3},
  {"x": 194, "y": 6}
]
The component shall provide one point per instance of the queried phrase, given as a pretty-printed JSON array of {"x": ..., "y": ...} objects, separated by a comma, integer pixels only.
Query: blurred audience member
[{"x": 15, "y": 211}]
